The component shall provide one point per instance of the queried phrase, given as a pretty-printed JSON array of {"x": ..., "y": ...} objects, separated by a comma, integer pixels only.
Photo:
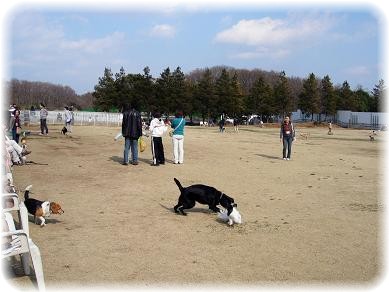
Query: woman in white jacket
[{"x": 157, "y": 130}]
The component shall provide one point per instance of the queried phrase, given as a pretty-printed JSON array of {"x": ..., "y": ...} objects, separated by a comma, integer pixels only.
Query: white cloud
[
  {"x": 276, "y": 38},
  {"x": 163, "y": 31},
  {"x": 260, "y": 53},
  {"x": 94, "y": 45},
  {"x": 270, "y": 32},
  {"x": 358, "y": 71}
]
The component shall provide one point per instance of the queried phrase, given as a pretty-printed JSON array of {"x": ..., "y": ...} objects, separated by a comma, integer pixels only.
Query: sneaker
[
  {"x": 284, "y": 158},
  {"x": 41, "y": 134},
  {"x": 287, "y": 158},
  {"x": 152, "y": 164},
  {"x": 124, "y": 163},
  {"x": 134, "y": 163}
]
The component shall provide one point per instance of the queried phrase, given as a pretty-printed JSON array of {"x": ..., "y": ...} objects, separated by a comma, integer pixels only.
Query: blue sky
[{"x": 72, "y": 45}]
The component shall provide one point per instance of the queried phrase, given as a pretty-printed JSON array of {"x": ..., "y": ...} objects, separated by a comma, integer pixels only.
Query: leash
[{"x": 37, "y": 163}]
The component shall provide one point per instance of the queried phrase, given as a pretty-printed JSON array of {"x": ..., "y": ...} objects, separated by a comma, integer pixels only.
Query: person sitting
[{"x": 16, "y": 151}]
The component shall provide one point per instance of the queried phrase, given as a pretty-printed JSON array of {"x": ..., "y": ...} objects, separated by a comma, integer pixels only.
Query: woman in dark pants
[
  {"x": 14, "y": 124},
  {"x": 286, "y": 137}
]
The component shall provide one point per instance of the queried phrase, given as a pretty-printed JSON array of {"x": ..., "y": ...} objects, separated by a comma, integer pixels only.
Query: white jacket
[{"x": 157, "y": 128}]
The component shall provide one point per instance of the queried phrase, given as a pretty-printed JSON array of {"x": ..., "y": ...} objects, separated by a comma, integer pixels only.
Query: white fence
[
  {"x": 80, "y": 118},
  {"x": 347, "y": 119},
  {"x": 369, "y": 120}
]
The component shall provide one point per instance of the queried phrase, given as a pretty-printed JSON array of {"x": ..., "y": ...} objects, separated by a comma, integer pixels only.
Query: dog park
[{"x": 313, "y": 221}]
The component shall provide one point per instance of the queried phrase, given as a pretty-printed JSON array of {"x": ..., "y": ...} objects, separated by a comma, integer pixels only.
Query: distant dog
[
  {"x": 305, "y": 135},
  {"x": 204, "y": 195},
  {"x": 40, "y": 209},
  {"x": 64, "y": 130}
]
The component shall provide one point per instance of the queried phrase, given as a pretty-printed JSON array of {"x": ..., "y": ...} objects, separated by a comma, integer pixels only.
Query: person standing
[
  {"x": 131, "y": 131},
  {"x": 178, "y": 125},
  {"x": 71, "y": 118},
  {"x": 330, "y": 128},
  {"x": 68, "y": 119},
  {"x": 236, "y": 124},
  {"x": 221, "y": 125},
  {"x": 43, "y": 119},
  {"x": 287, "y": 135},
  {"x": 15, "y": 126},
  {"x": 157, "y": 128}
]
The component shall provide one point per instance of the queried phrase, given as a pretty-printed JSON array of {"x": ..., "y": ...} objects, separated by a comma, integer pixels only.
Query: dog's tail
[
  {"x": 178, "y": 184},
  {"x": 27, "y": 191}
]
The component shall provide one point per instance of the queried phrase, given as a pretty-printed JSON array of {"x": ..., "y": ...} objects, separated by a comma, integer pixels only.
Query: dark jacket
[
  {"x": 132, "y": 124},
  {"x": 287, "y": 130}
]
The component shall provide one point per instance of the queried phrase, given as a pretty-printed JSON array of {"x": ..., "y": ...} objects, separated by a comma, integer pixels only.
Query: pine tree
[
  {"x": 163, "y": 91},
  {"x": 282, "y": 96},
  {"x": 260, "y": 99},
  {"x": 378, "y": 94},
  {"x": 236, "y": 101},
  {"x": 346, "y": 97},
  {"x": 362, "y": 100},
  {"x": 204, "y": 101},
  {"x": 328, "y": 97},
  {"x": 309, "y": 97},
  {"x": 105, "y": 92},
  {"x": 179, "y": 98},
  {"x": 223, "y": 92}
]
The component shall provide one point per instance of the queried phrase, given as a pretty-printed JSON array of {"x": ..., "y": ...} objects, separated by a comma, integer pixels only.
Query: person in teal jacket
[{"x": 178, "y": 124}]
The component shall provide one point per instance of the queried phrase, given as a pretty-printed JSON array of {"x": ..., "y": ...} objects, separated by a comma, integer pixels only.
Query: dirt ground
[{"x": 314, "y": 221}]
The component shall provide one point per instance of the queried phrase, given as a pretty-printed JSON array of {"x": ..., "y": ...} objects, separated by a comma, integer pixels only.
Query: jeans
[
  {"x": 287, "y": 144},
  {"x": 178, "y": 148},
  {"x": 44, "y": 127},
  {"x": 15, "y": 136},
  {"x": 133, "y": 145}
]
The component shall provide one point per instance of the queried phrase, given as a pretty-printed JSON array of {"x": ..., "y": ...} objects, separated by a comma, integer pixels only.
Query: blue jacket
[{"x": 178, "y": 130}]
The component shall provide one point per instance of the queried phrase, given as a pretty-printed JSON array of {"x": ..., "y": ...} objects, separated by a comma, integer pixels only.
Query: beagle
[{"x": 40, "y": 209}]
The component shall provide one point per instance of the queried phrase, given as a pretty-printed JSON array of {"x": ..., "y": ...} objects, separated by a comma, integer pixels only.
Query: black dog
[
  {"x": 204, "y": 195},
  {"x": 64, "y": 130}
]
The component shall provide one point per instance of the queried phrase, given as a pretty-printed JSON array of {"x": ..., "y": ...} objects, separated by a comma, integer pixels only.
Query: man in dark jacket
[{"x": 131, "y": 131}]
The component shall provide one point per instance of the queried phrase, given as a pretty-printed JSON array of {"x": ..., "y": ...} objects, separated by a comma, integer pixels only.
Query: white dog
[{"x": 234, "y": 217}]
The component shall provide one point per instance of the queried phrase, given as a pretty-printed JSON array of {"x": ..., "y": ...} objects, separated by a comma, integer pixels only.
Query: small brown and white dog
[
  {"x": 305, "y": 135},
  {"x": 40, "y": 209}
]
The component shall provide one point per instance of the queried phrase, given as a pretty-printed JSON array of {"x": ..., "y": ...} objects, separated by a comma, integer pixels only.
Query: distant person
[
  {"x": 43, "y": 119},
  {"x": 157, "y": 129},
  {"x": 68, "y": 119},
  {"x": 71, "y": 117},
  {"x": 330, "y": 128},
  {"x": 131, "y": 131},
  {"x": 15, "y": 126},
  {"x": 287, "y": 135},
  {"x": 178, "y": 125},
  {"x": 236, "y": 124},
  {"x": 221, "y": 125}
]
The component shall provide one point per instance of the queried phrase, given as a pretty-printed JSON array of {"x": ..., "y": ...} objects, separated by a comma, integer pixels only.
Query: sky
[{"x": 71, "y": 44}]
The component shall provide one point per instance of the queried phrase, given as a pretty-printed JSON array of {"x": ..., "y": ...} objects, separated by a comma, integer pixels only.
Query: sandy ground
[{"x": 314, "y": 220}]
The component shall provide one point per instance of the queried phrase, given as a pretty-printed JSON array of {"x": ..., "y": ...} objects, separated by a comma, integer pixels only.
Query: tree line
[
  {"x": 29, "y": 94},
  {"x": 212, "y": 91},
  {"x": 205, "y": 93}
]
